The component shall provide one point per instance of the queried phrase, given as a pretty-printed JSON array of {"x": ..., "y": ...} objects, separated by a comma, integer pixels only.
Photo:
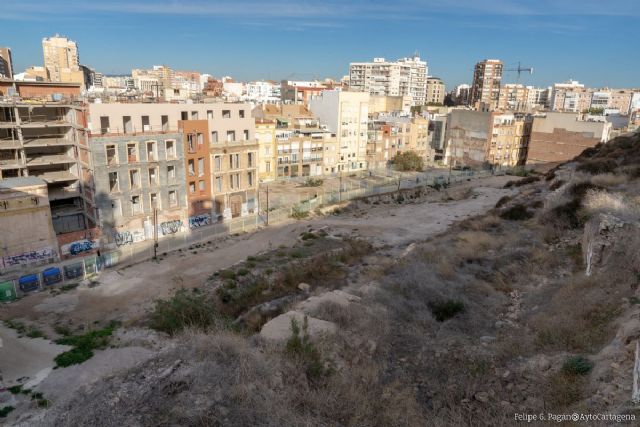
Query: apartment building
[
  {"x": 436, "y": 136},
  {"x": 558, "y": 137},
  {"x": 570, "y": 96},
  {"x": 140, "y": 184},
  {"x": 435, "y": 91},
  {"x": 267, "y": 149},
  {"x": 6, "y": 63},
  {"x": 233, "y": 148},
  {"x": 461, "y": 94},
  {"x": 198, "y": 168},
  {"x": 385, "y": 103},
  {"x": 485, "y": 88},
  {"x": 48, "y": 140},
  {"x": 300, "y": 152},
  {"x": 510, "y": 134},
  {"x": 406, "y": 76},
  {"x": 292, "y": 91},
  {"x": 345, "y": 114},
  {"x": 61, "y": 60},
  {"x": 513, "y": 97}
]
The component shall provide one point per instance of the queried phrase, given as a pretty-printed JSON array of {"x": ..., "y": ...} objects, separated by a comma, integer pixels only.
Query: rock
[
  {"x": 338, "y": 297},
  {"x": 304, "y": 287},
  {"x": 279, "y": 328},
  {"x": 481, "y": 396}
]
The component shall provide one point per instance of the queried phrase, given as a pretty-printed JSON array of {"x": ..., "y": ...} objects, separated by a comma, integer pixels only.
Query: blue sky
[{"x": 594, "y": 41}]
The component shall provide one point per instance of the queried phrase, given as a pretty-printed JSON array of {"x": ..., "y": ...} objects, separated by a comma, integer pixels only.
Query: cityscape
[{"x": 382, "y": 247}]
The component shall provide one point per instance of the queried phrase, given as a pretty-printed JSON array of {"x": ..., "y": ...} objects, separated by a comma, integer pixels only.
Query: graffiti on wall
[
  {"x": 28, "y": 257},
  {"x": 128, "y": 237},
  {"x": 171, "y": 227},
  {"x": 78, "y": 247},
  {"x": 199, "y": 220}
]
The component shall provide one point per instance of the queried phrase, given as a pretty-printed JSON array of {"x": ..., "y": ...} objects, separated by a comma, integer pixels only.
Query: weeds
[
  {"x": 300, "y": 347},
  {"x": 83, "y": 346},
  {"x": 313, "y": 182},
  {"x": 5, "y": 411},
  {"x": 298, "y": 213},
  {"x": 577, "y": 365},
  {"x": 185, "y": 309}
]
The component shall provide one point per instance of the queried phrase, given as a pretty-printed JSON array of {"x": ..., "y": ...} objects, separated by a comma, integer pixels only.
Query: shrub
[
  {"x": 408, "y": 161},
  {"x": 568, "y": 215},
  {"x": 597, "y": 166},
  {"x": 16, "y": 389},
  {"x": 312, "y": 182},
  {"x": 577, "y": 365},
  {"x": 185, "y": 309},
  {"x": 228, "y": 274},
  {"x": 243, "y": 272},
  {"x": 5, "y": 411},
  {"x": 443, "y": 310},
  {"x": 517, "y": 212},
  {"x": 83, "y": 346},
  {"x": 503, "y": 201},
  {"x": 298, "y": 213},
  {"x": 300, "y": 347}
]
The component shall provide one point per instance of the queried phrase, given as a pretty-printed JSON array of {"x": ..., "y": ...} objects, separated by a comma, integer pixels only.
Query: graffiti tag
[
  {"x": 171, "y": 227},
  {"x": 124, "y": 238},
  {"x": 199, "y": 220},
  {"x": 28, "y": 257},
  {"x": 79, "y": 246}
]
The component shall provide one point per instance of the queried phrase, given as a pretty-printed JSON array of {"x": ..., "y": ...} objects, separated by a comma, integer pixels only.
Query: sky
[{"x": 593, "y": 41}]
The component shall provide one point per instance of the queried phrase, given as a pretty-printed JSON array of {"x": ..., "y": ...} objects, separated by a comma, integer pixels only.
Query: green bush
[
  {"x": 443, "y": 310},
  {"x": 228, "y": 274},
  {"x": 5, "y": 411},
  {"x": 83, "y": 346},
  {"x": 183, "y": 310},
  {"x": 300, "y": 347},
  {"x": 577, "y": 365},
  {"x": 16, "y": 389},
  {"x": 517, "y": 212},
  {"x": 408, "y": 161}
]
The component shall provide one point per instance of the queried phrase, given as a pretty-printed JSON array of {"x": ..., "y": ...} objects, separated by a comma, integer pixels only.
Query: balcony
[{"x": 49, "y": 159}]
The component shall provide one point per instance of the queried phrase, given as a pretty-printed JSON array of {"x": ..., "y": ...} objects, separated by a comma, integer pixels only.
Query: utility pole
[
  {"x": 340, "y": 193},
  {"x": 155, "y": 233},
  {"x": 267, "y": 222}
]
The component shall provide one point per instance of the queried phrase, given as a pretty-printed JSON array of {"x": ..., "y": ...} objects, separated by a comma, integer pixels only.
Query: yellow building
[
  {"x": 510, "y": 135},
  {"x": 267, "y": 149},
  {"x": 61, "y": 59}
]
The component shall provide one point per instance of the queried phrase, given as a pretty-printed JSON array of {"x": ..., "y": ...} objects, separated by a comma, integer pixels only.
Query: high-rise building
[
  {"x": 406, "y": 76},
  {"x": 435, "y": 91},
  {"x": 486, "y": 83},
  {"x": 461, "y": 94},
  {"x": 61, "y": 59},
  {"x": 6, "y": 63}
]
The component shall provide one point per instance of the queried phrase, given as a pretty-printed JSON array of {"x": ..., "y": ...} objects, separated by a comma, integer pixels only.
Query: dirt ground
[{"x": 127, "y": 293}]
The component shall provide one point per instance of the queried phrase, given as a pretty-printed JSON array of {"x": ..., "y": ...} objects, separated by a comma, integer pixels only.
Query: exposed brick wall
[{"x": 561, "y": 145}]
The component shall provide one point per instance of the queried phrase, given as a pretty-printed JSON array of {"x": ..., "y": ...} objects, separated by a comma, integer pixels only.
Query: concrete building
[
  {"x": 485, "y": 88},
  {"x": 61, "y": 60},
  {"x": 570, "y": 96},
  {"x": 467, "y": 138},
  {"x": 198, "y": 168},
  {"x": 267, "y": 149},
  {"x": 513, "y": 97},
  {"x": 292, "y": 91},
  {"x": 27, "y": 232},
  {"x": 135, "y": 177},
  {"x": 232, "y": 144},
  {"x": 461, "y": 94},
  {"x": 346, "y": 115},
  {"x": 385, "y": 103},
  {"x": 436, "y": 136},
  {"x": 300, "y": 152},
  {"x": 390, "y": 134},
  {"x": 510, "y": 133},
  {"x": 435, "y": 91},
  {"x": 558, "y": 137},
  {"x": 406, "y": 76},
  {"x": 6, "y": 63},
  {"x": 48, "y": 140}
]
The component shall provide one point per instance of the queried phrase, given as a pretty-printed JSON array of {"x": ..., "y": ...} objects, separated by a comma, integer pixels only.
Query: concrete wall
[{"x": 468, "y": 134}]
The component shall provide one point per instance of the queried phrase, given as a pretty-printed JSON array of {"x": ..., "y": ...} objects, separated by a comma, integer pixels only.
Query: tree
[{"x": 407, "y": 161}]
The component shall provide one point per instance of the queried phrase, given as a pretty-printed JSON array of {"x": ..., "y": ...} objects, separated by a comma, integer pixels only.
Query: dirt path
[{"x": 127, "y": 293}]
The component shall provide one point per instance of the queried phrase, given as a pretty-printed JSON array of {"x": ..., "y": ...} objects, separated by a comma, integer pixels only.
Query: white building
[
  {"x": 262, "y": 91},
  {"x": 406, "y": 76},
  {"x": 347, "y": 115}
]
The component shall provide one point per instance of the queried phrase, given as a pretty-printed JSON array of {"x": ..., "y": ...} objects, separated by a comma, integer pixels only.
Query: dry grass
[
  {"x": 596, "y": 201},
  {"x": 609, "y": 180}
]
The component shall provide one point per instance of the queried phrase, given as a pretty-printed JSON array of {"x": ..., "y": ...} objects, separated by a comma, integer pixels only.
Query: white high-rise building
[{"x": 406, "y": 76}]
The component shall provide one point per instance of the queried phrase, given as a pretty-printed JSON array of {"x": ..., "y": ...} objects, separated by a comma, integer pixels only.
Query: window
[
  {"x": 209, "y": 114},
  {"x": 104, "y": 124},
  {"x": 217, "y": 163},
  {"x": 112, "y": 155},
  {"x": 171, "y": 173},
  {"x": 194, "y": 115},
  {"x": 200, "y": 138},
  {"x": 192, "y": 187},
  {"x": 250, "y": 179},
  {"x": 145, "y": 124},
  {"x": 219, "y": 184},
  {"x": 267, "y": 166},
  {"x": 132, "y": 152},
  {"x": 136, "y": 205},
  {"x": 267, "y": 151},
  {"x": 246, "y": 135},
  {"x": 201, "y": 186},
  {"x": 201, "y": 166},
  {"x": 126, "y": 124},
  {"x": 234, "y": 183},
  {"x": 241, "y": 113},
  {"x": 184, "y": 115},
  {"x": 114, "y": 185},
  {"x": 231, "y": 135},
  {"x": 152, "y": 151},
  {"x": 134, "y": 178},
  {"x": 191, "y": 140},
  {"x": 173, "y": 198},
  {"x": 214, "y": 136},
  {"x": 165, "y": 123},
  {"x": 250, "y": 160},
  {"x": 153, "y": 198},
  {"x": 171, "y": 149},
  {"x": 153, "y": 176},
  {"x": 226, "y": 114},
  {"x": 234, "y": 161},
  {"x": 191, "y": 167}
]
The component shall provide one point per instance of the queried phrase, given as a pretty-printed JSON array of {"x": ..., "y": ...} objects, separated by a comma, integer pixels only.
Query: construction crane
[{"x": 520, "y": 69}]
